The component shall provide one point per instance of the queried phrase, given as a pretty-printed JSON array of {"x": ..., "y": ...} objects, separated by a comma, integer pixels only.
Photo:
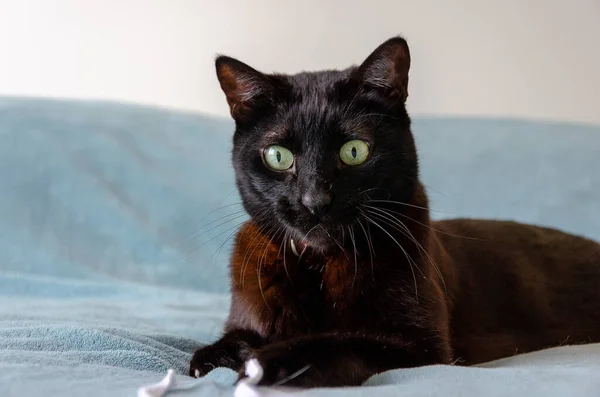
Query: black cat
[{"x": 340, "y": 274}]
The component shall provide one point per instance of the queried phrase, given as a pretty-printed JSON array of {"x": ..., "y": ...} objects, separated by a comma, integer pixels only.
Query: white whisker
[
  {"x": 351, "y": 232},
  {"x": 393, "y": 222},
  {"x": 370, "y": 245},
  {"x": 408, "y": 258}
]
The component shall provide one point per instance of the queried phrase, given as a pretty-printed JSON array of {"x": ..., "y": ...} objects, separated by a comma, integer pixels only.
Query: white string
[{"x": 158, "y": 389}]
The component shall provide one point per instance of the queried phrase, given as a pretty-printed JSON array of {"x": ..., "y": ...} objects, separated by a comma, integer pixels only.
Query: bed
[{"x": 116, "y": 224}]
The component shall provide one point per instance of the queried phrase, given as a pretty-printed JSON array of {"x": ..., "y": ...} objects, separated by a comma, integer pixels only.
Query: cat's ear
[
  {"x": 386, "y": 69},
  {"x": 245, "y": 88}
]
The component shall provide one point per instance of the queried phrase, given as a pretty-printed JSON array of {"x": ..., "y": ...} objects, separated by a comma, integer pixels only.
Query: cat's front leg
[
  {"x": 231, "y": 351},
  {"x": 337, "y": 360}
]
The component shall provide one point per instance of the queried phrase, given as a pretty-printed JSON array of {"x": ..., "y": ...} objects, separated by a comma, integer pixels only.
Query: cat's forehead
[
  {"x": 318, "y": 81},
  {"x": 316, "y": 102}
]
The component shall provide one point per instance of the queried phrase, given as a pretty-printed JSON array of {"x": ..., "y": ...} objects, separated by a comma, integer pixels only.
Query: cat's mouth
[{"x": 317, "y": 240}]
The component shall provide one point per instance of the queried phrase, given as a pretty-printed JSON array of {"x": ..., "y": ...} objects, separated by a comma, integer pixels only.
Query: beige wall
[{"x": 533, "y": 58}]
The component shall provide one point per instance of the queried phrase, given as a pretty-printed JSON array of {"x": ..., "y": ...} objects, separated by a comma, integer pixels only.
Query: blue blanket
[{"x": 116, "y": 225}]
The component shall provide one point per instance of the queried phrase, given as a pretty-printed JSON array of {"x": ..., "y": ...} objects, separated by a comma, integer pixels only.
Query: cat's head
[{"x": 311, "y": 149}]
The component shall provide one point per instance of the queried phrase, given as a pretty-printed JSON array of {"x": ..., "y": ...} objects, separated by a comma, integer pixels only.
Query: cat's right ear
[{"x": 246, "y": 89}]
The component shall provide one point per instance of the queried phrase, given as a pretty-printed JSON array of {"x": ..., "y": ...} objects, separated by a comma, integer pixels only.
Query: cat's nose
[{"x": 317, "y": 203}]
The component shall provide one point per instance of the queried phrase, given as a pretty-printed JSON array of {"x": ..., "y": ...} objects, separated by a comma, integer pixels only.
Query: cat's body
[
  {"x": 518, "y": 288},
  {"x": 340, "y": 274}
]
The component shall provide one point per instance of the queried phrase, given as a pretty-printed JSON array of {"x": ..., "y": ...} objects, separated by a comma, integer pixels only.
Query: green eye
[
  {"x": 354, "y": 152},
  {"x": 278, "y": 158}
]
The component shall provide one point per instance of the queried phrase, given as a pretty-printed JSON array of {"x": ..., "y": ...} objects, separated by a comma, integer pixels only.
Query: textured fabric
[{"x": 113, "y": 263}]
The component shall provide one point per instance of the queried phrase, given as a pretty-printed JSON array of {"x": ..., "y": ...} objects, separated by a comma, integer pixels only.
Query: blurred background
[{"x": 535, "y": 59}]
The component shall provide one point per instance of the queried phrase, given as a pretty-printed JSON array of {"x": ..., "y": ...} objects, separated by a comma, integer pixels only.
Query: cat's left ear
[
  {"x": 246, "y": 88},
  {"x": 386, "y": 69}
]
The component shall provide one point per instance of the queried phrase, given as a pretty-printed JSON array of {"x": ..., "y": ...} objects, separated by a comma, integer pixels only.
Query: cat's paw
[
  {"x": 277, "y": 368},
  {"x": 208, "y": 358},
  {"x": 282, "y": 365}
]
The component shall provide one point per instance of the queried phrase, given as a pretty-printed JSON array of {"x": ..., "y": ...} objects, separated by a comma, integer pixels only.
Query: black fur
[{"x": 378, "y": 285}]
